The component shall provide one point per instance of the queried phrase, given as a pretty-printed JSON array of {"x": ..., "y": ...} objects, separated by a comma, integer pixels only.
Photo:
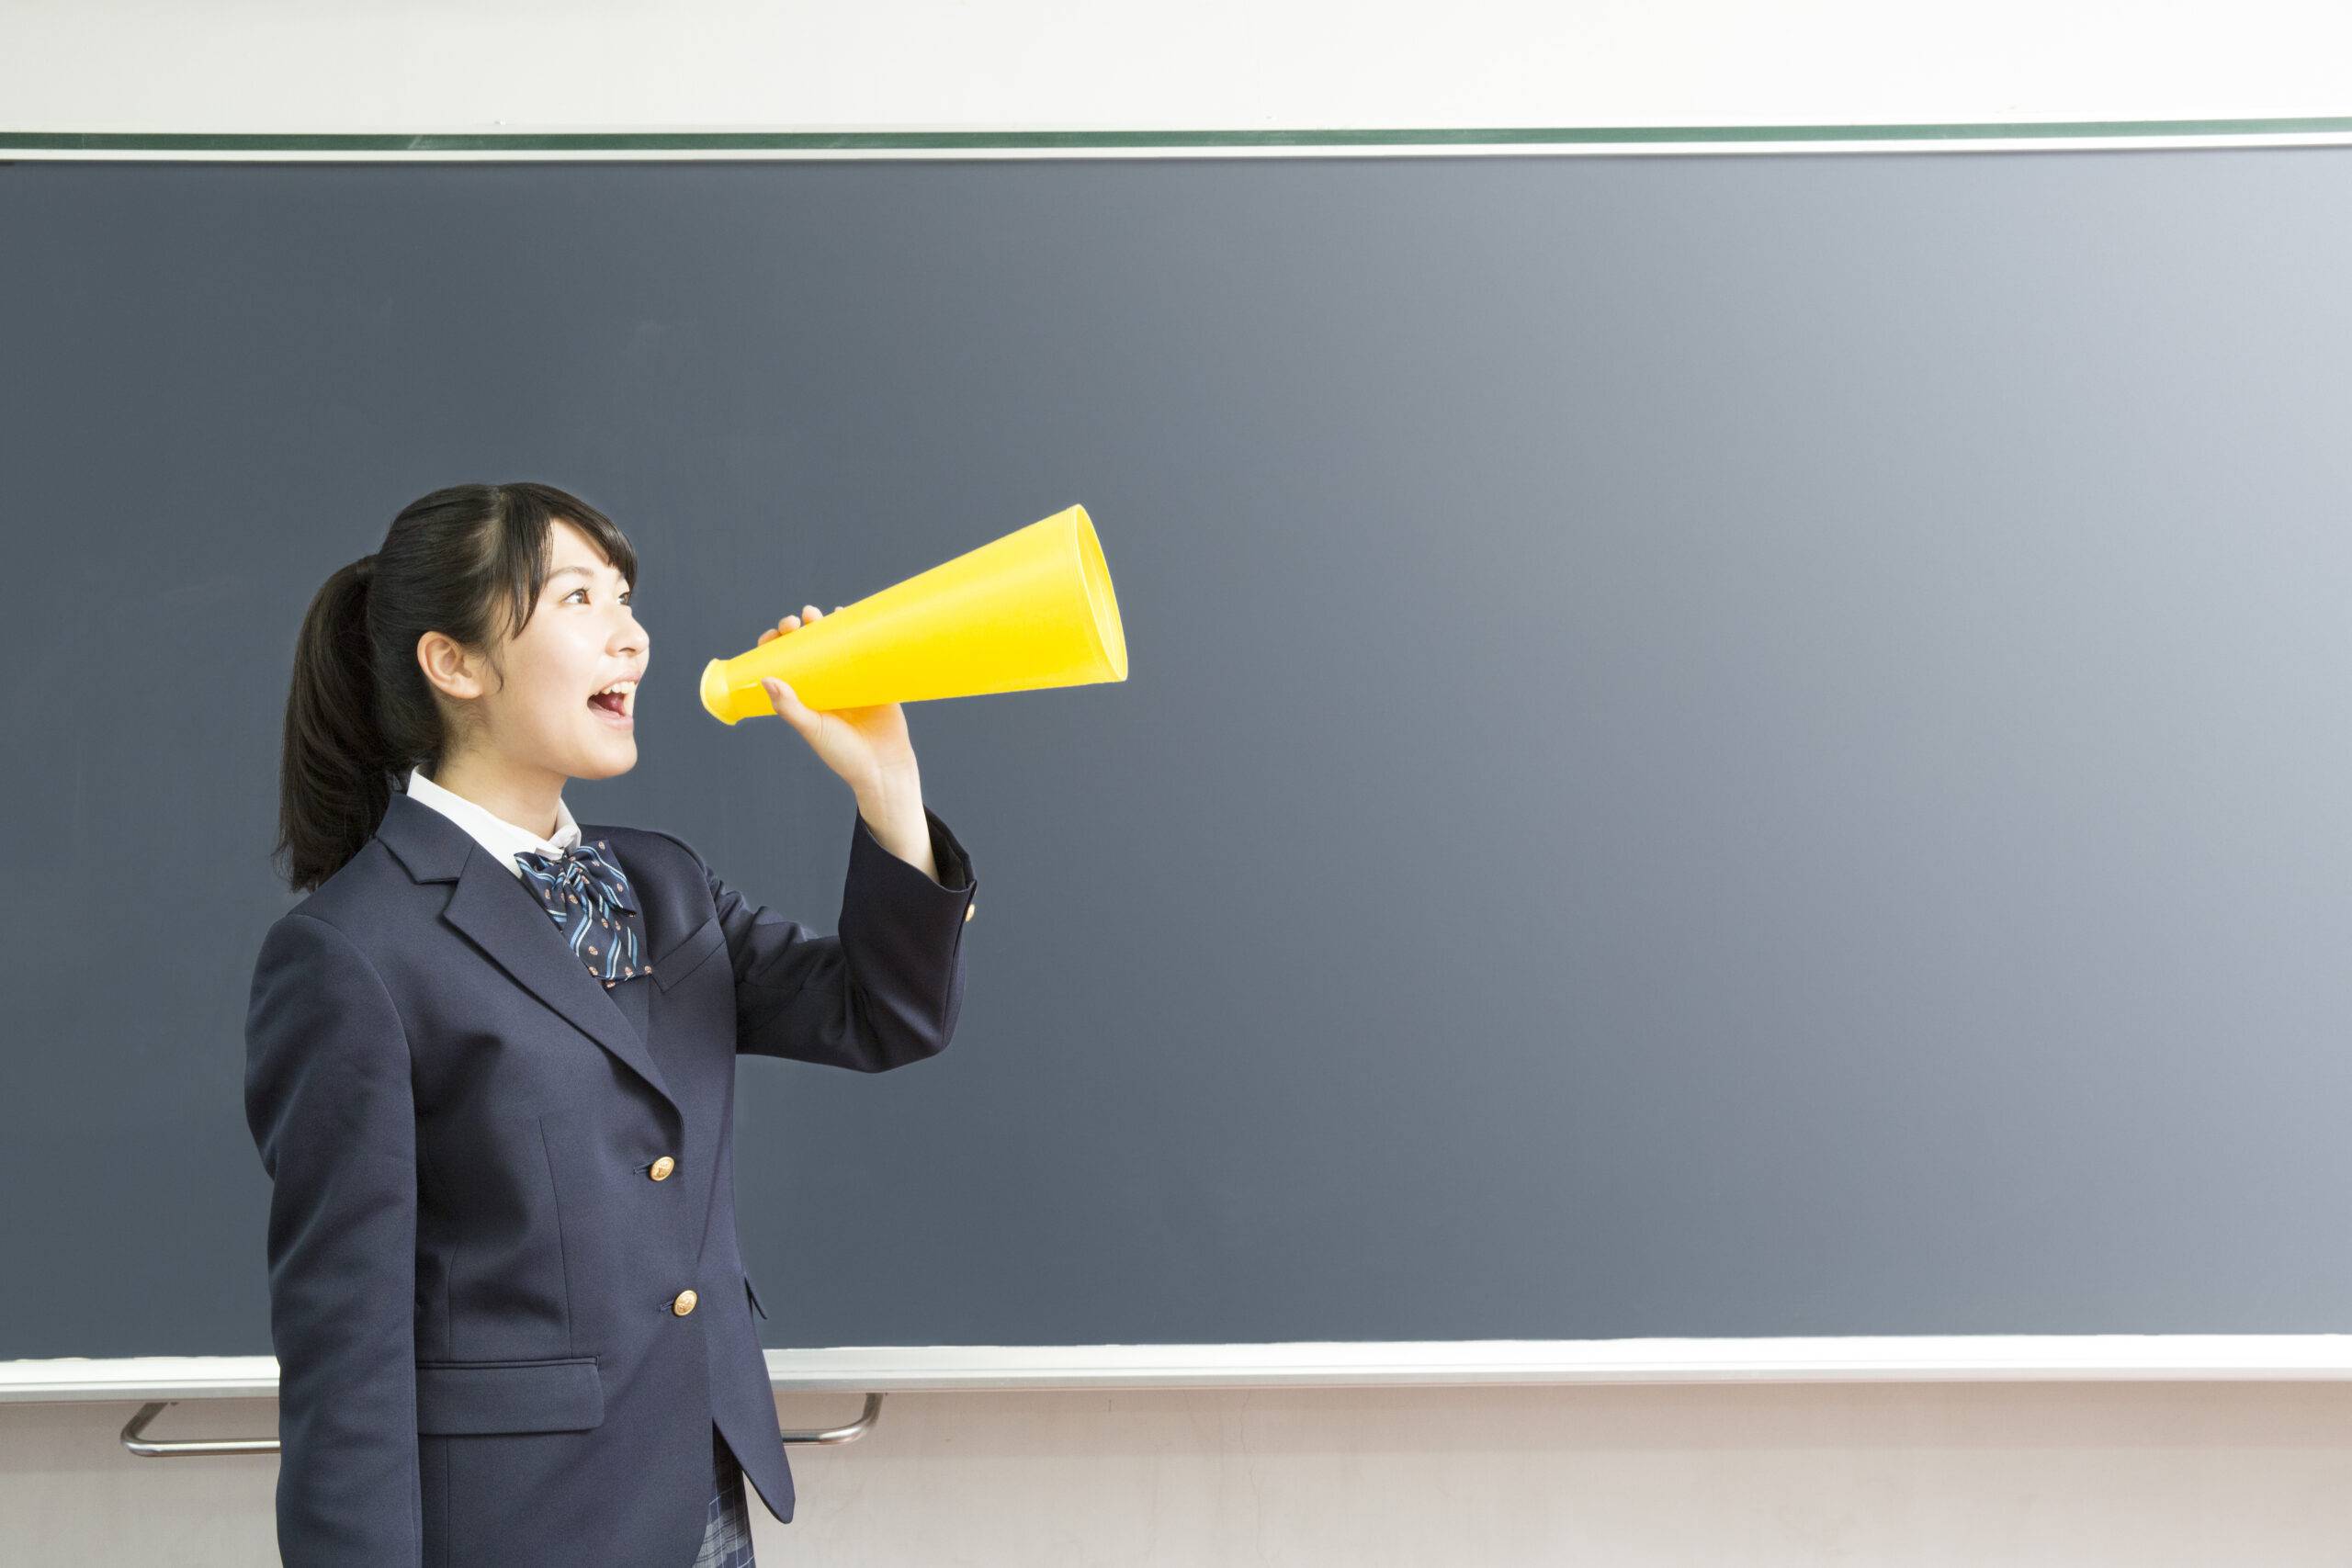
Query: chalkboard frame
[{"x": 2149, "y": 1358}]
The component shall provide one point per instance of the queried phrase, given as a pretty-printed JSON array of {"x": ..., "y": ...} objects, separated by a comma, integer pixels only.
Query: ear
[{"x": 447, "y": 667}]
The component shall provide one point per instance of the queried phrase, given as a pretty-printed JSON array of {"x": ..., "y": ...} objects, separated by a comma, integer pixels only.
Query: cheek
[
  {"x": 555, "y": 688},
  {"x": 569, "y": 708},
  {"x": 541, "y": 704}
]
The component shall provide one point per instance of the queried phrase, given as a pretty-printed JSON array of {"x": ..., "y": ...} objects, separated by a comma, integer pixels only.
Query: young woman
[{"x": 491, "y": 1064}]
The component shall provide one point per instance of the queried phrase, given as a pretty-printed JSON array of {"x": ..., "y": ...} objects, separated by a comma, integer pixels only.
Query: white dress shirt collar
[{"x": 502, "y": 839}]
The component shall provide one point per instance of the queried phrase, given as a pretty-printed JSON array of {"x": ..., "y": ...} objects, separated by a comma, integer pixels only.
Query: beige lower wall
[{"x": 1957, "y": 1473}]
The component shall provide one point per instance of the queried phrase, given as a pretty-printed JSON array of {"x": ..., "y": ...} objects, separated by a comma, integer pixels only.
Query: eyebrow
[{"x": 582, "y": 570}]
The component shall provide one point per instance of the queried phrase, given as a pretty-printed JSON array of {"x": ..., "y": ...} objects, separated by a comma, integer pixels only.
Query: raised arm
[{"x": 883, "y": 993}]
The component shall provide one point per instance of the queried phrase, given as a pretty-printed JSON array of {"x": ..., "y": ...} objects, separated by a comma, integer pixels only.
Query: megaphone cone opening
[{"x": 1106, "y": 604}]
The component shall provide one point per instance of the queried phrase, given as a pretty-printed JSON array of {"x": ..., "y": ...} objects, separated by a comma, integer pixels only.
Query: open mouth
[{"x": 617, "y": 705}]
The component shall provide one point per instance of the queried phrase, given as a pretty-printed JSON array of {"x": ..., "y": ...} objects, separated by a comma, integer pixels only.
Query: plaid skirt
[{"x": 727, "y": 1531}]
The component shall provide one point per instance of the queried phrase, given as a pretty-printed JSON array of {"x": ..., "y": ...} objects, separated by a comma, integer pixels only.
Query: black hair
[{"x": 467, "y": 561}]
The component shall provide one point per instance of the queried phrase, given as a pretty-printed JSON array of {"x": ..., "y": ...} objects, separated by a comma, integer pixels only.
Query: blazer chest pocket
[
  {"x": 689, "y": 953},
  {"x": 563, "y": 1395}
]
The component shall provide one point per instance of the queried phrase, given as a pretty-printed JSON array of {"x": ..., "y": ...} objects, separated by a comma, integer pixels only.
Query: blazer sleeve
[
  {"x": 883, "y": 993},
  {"x": 331, "y": 1106}
]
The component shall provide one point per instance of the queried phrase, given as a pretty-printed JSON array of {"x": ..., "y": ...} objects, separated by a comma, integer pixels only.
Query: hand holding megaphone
[
  {"x": 862, "y": 745},
  {"x": 1030, "y": 610}
]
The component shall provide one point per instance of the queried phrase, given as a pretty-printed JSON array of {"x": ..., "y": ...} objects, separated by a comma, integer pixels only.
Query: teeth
[{"x": 627, "y": 692}]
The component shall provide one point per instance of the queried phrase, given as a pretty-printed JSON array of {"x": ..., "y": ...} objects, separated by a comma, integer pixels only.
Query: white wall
[
  {"x": 2077, "y": 1474},
  {"x": 296, "y": 65},
  {"x": 2080, "y": 1475}
]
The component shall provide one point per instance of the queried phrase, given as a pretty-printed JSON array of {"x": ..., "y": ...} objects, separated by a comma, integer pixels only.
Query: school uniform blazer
[{"x": 505, "y": 1293}]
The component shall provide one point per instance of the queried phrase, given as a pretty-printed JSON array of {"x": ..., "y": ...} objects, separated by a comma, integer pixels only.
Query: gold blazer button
[
  {"x": 684, "y": 1303},
  {"x": 971, "y": 909},
  {"x": 661, "y": 1168}
]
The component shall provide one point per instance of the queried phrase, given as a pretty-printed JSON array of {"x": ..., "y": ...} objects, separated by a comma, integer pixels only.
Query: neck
[{"x": 525, "y": 796}]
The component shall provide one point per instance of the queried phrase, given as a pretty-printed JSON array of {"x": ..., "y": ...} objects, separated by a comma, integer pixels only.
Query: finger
[
  {"x": 810, "y": 611},
  {"x": 787, "y": 701}
]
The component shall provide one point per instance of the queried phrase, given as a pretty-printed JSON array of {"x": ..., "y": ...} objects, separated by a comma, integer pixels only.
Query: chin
[{"x": 606, "y": 767}]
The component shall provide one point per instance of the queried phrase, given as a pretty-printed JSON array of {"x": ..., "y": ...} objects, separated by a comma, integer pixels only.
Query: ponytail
[
  {"x": 468, "y": 561},
  {"x": 333, "y": 781}
]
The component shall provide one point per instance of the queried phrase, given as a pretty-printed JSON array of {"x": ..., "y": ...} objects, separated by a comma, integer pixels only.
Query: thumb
[{"x": 787, "y": 701}]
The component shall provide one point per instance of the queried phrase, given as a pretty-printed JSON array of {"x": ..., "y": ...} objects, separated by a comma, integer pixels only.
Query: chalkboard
[{"x": 1716, "y": 745}]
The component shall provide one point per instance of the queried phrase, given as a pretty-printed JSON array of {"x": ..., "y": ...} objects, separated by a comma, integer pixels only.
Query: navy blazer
[{"x": 505, "y": 1292}]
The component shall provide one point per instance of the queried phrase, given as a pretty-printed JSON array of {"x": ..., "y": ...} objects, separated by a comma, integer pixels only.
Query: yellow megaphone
[{"x": 1031, "y": 609}]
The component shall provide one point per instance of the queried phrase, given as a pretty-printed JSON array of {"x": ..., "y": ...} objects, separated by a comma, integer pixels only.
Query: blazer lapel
[
  {"x": 629, "y": 997},
  {"x": 499, "y": 916}
]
